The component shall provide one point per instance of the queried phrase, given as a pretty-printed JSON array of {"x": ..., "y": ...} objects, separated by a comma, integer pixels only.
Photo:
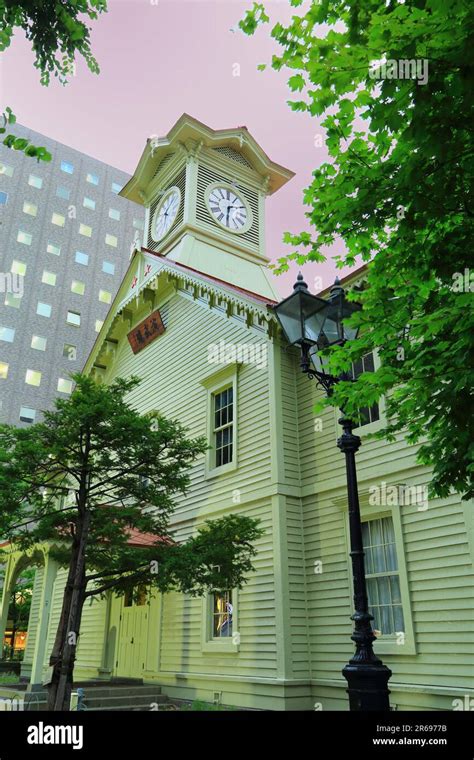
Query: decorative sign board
[{"x": 146, "y": 332}]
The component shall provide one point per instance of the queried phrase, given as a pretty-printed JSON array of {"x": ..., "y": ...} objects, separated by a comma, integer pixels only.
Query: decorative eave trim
[{"x": 255, "y": 312}]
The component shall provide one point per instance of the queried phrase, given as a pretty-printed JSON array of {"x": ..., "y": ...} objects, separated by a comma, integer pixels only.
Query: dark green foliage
[{"x": 398, "y": 191}]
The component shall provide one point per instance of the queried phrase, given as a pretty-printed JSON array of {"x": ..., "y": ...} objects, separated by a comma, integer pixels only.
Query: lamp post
[{"x": 314, "y": 323}]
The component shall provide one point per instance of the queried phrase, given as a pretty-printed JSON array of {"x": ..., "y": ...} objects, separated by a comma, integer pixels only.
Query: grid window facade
[
  {"x": 224, "y": 426},
  {"x": 383, "y": 581}
]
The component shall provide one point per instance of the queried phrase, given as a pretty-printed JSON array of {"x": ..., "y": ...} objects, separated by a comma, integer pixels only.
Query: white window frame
[
  {"x": 214, "y": 384},
  {"x": 225, "y": 645},
  {"x": 385, "y": 645}
]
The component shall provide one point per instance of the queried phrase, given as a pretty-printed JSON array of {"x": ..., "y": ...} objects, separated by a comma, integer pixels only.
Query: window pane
[
  {"x": 7, "y": 334},
  {"x": 105, "y": 296},
  {"x": 98, "y": 325},
  {"x": 70, "y": 351},
  {"x": 67, "y": 167},
  {"x": 368, "y": 362},
  {"x": 395, "y": 589},
  {"x": 5, "y": 170},
  {"x": 33, "y": 377},
  {"x": 108, "y": 267},
  {"x": 64, "y": 386},
  {"x": 18, "y": 267},
  {"x": 114, "y": 214},
  {"x": 35, "y": 181},
  {"x": 89, "y": 203},
  {"x": 54, "y": 249},
  {"x": 82, "y": 258},
  {"x": 38, "y": 343},
  {"x": 3, "y": 198},
  {"x": 92, "y": 178},
  {"x": 12, "y": 299},
  {"x": 3, "y": 371},
  {"x": 49, "y": 278},
  {"x": 85, "y": 230},
  {"x": 24, "y": 237},
  {"x": 58, "y": 219},
  {"x": 116, "y": 187},
  {"x": 27, "y": 414},
  {"x": 399, "y": 622},
  {"x": 43, "y": 309},
  {"x": 111, "y": 240},
  {"x": 222, "y": 613},
  {"x": 63, "y": 192},
  {"x": 73, "y": 318},
  {"x": 78, "y": 287},
  {"x": 30, "y": 208}
]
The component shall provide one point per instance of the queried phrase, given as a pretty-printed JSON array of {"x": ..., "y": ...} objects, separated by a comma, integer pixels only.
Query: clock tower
[{"x": 204, "y": 191}]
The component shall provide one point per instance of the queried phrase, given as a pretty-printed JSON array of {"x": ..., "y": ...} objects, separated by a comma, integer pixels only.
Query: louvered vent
[
  {"x": 205, "y": 177},
  {"x": 163, "y": 163},
  {"x": 179, "y": 181},
  {"x": 233, "y": 155}
]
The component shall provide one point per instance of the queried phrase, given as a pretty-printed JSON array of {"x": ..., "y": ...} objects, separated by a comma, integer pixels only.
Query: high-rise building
[{"x": 65, "y": 241}]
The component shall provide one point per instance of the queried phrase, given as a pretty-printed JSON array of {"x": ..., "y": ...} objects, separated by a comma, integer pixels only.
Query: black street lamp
[{"x": 314, "y": 323}]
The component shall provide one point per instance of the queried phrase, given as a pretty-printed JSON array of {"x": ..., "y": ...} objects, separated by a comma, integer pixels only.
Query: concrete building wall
[{"x": 67, "y": 345}]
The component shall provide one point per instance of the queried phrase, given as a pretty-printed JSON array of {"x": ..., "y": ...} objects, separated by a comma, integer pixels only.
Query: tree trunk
[
  {"x": 64, "y": 685},
  {"x": 55, "y": 658}
]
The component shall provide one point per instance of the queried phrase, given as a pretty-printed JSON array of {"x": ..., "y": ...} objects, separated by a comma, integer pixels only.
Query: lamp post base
[{"x": 368, "y": 686}]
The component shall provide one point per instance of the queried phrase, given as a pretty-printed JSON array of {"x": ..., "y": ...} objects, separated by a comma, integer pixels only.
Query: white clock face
[
  {"x": 166, "y": 213},
  {"x": 228, "y": 208}
]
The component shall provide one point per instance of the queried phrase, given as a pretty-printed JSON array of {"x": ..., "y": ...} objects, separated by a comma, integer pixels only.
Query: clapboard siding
[{"x": 438, "y": 564}]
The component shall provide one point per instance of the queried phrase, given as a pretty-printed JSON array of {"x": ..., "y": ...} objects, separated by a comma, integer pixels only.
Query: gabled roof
[
  {"x": 189, "y": 129},
  {"x": 236, "y": 300}
]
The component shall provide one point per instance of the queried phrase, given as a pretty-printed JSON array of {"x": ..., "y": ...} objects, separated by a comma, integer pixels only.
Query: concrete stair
[{"x": 109, "y": 697}]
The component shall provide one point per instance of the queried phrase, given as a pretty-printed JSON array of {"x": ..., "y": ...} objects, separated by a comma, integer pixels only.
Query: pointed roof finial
[{"x": 300, "y": 283}]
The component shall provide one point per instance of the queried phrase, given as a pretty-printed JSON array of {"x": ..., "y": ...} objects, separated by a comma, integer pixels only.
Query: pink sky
[{"x": 158, "y": 60}]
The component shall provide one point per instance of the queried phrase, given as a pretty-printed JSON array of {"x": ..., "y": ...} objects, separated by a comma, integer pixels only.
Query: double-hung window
[
  {"x": 382, "y": 574},
  {"x": 223, "y": 434}
]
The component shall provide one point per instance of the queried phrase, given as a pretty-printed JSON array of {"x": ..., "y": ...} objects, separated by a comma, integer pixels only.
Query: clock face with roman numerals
[
  {"x": 228, "y": 208},
  {"x": 165, "y": 214}
]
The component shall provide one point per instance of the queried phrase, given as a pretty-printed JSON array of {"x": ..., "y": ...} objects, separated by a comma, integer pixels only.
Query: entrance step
[{"x": 110, "y": 697}]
